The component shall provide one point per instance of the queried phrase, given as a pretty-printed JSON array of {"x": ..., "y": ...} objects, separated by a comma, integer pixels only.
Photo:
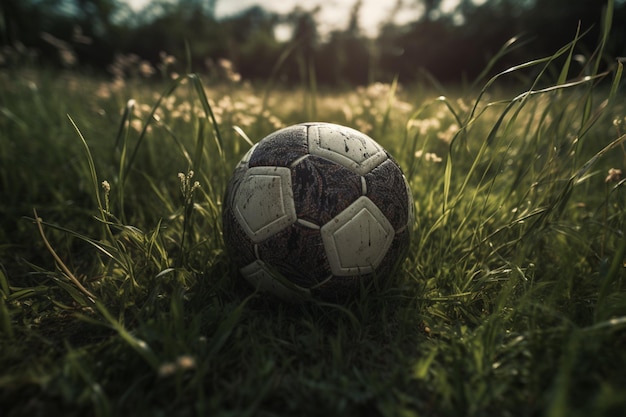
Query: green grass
[{"x": 121, "y": 301}]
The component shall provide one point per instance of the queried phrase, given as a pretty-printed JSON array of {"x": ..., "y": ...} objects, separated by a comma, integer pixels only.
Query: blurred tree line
[{"x": 451, "y": 46}]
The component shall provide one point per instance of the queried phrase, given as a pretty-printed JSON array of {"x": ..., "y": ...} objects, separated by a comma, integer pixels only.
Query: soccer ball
[{"x": 316, "y": 209}]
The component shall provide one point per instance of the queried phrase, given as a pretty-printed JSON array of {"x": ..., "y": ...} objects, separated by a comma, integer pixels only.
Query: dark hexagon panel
[
  {"x": 322, "y": 189},
  {"x": 238, "y": 244},
  {"x": 297, "y": 253},
  {"x": 386, "y": 187},
  {"x": 281, "y": 148}
]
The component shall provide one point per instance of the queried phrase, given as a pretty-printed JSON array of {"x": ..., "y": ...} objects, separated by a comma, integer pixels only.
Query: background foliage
[{"x": 454, "y": 46}]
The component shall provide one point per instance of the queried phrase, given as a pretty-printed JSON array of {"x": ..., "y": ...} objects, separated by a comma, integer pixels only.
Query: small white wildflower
[
  {"x": 186, "y": 186},
  {"x": 182, "y": 363},
  {"x": 186, "y": 362},
  {"x": 107, "y": 190},
  {"x": 146, "y": 69},
  {"x": 167, "y": 369},
  {"x": 136, "y": 124},
  {"x": 614, "y": 175},
  {"x": 433, "y": 157},
  {"x": 447, "y": 135},
  {"x": 428, "y": 156}
]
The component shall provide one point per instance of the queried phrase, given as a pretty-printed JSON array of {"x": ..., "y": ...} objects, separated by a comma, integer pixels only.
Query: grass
[{"x": 118, "y": 299}]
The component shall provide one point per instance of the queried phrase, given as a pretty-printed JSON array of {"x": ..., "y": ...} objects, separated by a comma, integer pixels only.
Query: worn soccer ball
[{"x": 316, "y": 209}]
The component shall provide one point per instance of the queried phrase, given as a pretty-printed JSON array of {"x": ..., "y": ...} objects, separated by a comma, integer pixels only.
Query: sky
[{"x": 334, "y": 14}]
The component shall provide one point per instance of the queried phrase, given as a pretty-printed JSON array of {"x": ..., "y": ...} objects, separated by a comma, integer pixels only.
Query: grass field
[{"x": 116, "y": 296}]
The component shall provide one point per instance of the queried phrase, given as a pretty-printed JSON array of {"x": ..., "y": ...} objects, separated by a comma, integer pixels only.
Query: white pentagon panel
[
  {"x": 345, "y": 146},
  {"x": 259, "y": 275},
  {"x": 357, "y": 239},
  {"x": 264, "y": 203}
]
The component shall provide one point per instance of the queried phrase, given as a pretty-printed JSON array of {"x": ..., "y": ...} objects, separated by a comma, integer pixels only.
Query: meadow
[{"x": 117, "y": 298}]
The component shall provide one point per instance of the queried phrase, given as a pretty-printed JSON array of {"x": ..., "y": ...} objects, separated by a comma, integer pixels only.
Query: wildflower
[
  {"x": 107, "y": 190},
  {"x": 186, "y": 186},
  {"x": 226, "y": 64},
  {"x": 433, "y": 157},
  {"x": 618, "y": 123},
  {"x": 429, "y": 156},
  {"x": 167, "y": 59},
  {"x": 137, "y": 125},
  {"x": 145, "y": 69},
  {"x": 615, "y": 175},
  {"x": 103, "y": 91},
  {"x": 364, "y": 126},
  {"x": 118, "y": 84},
  {"x": 168, "y": 102},
  {"x": 129, "y": 65},
  {"x": 347, "y": 113},
  {"x": 463, "y": 106},
  {"x": 227, "y": 70},
  {"x": 425, "y": 125},
  {"x": 447, "y": 135},
  {"x": 186, "y": 362},
  {"x": 182, "y": 363}
]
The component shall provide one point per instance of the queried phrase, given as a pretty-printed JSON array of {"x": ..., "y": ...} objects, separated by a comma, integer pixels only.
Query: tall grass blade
[
  {"x": 106, "y": 249},
  {"x": 6, "y": 327},
  {"x": 70, "y": 276},
  {"x": 92, "y": 169},
  {"x": 243, "y": 134},
  {"x": 208, "y": 111},
  {"x": 616, "y": 81},
  {"x": 607, "y": 22},
  {"x": 546, "y": 61},
  {"x": 509, "y": 46},
  {"x": 198, "y": 153},
  {"x": 4, "y": 282},
  {"x": 568, "y": 60}
]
